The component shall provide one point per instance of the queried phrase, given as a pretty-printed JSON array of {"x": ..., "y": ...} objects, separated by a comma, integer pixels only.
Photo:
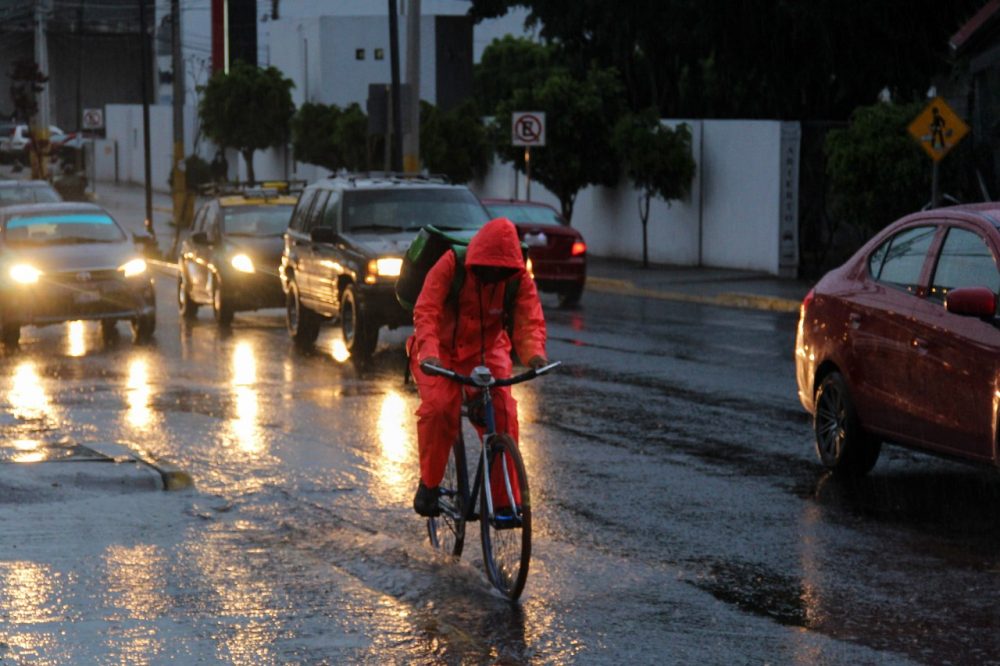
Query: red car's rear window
[{"x": 525, "y": 214}]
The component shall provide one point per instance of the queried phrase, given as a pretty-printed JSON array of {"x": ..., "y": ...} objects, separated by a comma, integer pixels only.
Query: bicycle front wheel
[
  {"x": 447, "y": 531},
  {"x": 506, "y": 534}
]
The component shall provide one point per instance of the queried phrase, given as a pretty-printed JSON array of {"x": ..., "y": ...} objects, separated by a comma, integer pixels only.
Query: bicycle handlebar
[{"x": 472, "y": 381}]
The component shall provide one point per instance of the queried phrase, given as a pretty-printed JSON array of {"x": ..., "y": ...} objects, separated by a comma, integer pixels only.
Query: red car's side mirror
[{"x": 971, "y": 302}]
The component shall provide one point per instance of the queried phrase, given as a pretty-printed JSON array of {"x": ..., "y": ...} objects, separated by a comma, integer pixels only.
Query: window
[
  {"x": 331, "y": 216},
  {"x": 899, "y": 260},
  {"x": 380, "y": 54},
  {"x": 359, "y": 54},
  {"x": 298, "y": 222},
  {"x": 410, "y": 208},
  {"x": 965, "y": 261},
  {"x": 316, "y": 214}
]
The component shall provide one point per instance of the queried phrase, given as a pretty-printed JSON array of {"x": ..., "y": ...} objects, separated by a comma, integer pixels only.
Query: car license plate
[
  {"x": 536, "y": 240},
  {"x": 88, "y": 296}
]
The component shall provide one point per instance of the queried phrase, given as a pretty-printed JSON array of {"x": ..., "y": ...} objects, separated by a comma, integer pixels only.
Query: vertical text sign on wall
[{"x": 788, "y": 226}]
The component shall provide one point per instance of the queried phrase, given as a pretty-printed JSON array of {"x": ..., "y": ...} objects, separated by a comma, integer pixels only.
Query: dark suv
[{"x": 344, "y": 247}]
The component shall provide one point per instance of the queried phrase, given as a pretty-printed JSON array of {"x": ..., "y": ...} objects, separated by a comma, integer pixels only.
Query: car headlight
[
  {"x": 242, "y": 263},
  {"x": 133, "y": 267},
  {"x": 384, "y": 267},
  {"x": 24, "y": 274}
]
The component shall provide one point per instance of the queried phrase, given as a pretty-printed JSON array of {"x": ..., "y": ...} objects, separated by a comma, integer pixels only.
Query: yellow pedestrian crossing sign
[{"x": 937, "y": 129}]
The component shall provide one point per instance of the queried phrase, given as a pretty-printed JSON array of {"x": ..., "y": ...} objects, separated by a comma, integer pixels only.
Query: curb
[
  {"x": 728, "y": 299},
  {"x": 171, "y": 476}
]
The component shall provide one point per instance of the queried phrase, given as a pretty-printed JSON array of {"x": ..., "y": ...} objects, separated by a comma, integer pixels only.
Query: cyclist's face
[{"x": 493, "y": 274}]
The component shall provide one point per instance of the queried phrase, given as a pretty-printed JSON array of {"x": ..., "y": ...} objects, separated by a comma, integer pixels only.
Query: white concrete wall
[
  {"x": 742, "y": 181},
  {"x": 730, "y": 219},
  {"x": 318, "y": 55},
  {"x": 123, "y": 123}
]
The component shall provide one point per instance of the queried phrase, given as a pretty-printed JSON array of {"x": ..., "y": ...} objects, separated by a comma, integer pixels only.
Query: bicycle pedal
[{"x": 506, "y": 522}]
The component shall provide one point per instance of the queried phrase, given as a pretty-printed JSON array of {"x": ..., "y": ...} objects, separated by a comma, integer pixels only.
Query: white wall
[
  {"x": 731, "y": 219},
  {"x": 318, "y": 55},
  {"x": 123, "y": 123},
  {"x": 741, "y": 194}
]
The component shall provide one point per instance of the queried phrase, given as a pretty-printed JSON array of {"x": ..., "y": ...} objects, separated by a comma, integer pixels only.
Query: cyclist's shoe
[
  {"x": 425, "y": 502},
  {"x": 505, "y": 518}
]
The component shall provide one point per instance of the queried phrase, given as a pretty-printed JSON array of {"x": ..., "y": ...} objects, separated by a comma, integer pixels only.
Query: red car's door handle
[{"x": 854, "y": 319}]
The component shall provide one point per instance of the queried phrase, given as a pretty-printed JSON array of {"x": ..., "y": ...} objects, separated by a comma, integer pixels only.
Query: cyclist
[{"x": 470, "y": 333}]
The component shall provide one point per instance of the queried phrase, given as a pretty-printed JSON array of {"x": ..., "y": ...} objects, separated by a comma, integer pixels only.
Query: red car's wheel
[{"x": 841, "y": 443}]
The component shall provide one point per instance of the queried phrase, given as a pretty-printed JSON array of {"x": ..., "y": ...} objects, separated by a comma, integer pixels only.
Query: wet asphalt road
[{"x": 680, "y": 514}]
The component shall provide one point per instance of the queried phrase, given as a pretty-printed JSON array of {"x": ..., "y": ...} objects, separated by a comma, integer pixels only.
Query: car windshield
[
  {"x": 409, "y": 209},
  {"x": 518, "y": 213},
  {"x": 62, "y": 229},
  {"x": 19, "y": 194},
  {"x": 256, "y": 220}
]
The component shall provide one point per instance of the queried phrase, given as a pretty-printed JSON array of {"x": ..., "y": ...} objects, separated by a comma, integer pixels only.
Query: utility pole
[
  {"x": 397, "y": 116},
  {"x": 40, "y": 133},
  {"x": 180, "y": 197},
  {"x": 144, "y": 81},
  {"x": 411, "y": 140}
]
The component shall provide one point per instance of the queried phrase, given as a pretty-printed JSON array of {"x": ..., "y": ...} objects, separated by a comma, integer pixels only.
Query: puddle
[{"x": 756, "y": 590}]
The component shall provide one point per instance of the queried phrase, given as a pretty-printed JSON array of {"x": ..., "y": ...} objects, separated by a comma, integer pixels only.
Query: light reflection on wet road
[{"x": 679, "y": 514}]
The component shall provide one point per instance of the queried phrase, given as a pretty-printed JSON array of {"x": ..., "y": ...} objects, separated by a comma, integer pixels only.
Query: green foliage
[
  {"x": 507, "y": 65},
  {"x": 657, "y": 158},
  {"x": 719, "y": 58},
  {"x": 247, "y": 109},
  {"x": 331, "y": 137},
  {"x": 579, "y": 115},
  {"x": 454, "y": 143},
  {"x": 27, "y": 81},
  {"x": 877, "y": 172}
]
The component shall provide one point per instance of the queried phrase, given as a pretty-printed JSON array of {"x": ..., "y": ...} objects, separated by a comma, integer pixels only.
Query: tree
[
  {"x": 718, "y": 58},
  {"x": 26, "y": 82},
  {"x": 507, "y": 65},
  {"x": 579, "y": 116},
  {"x": 331, "y": 137},
  {"x": 657, "y": 159},
  {"x": 247, "y": 109},
  {"x": 455, "y": 142},
  {"x": 876, "y": 171}
]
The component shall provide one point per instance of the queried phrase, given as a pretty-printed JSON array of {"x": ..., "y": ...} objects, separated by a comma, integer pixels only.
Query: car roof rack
[
  {"x": 263, "y": 189},
  {"x": 392, "y": 176}
]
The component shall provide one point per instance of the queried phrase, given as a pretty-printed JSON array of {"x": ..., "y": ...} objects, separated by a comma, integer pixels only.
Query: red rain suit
[{"x": 462, "y": 341}]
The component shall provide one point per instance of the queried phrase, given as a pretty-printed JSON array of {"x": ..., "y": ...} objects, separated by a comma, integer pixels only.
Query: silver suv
[{"x": 344, "y": 248}]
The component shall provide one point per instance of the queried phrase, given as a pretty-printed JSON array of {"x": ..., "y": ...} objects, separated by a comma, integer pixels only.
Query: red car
[
  {"x": 901, "y": 343},
  {"x": 557, "y": 252}
]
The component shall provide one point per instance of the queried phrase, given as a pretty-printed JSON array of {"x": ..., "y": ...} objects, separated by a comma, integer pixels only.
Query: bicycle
[{"x": 506, "y": 531}]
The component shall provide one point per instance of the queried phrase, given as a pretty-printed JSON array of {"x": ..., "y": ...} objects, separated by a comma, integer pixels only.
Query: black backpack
[{"x": 430, "y": 245}]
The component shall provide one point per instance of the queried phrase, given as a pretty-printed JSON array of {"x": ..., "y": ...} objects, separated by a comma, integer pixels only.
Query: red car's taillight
[
  {"x": 579, "y": 247},
  {"x": 808, "y": 299}
]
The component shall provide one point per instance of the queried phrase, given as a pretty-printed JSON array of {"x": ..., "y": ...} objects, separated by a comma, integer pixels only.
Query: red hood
[{"x": 496, "y": 244}]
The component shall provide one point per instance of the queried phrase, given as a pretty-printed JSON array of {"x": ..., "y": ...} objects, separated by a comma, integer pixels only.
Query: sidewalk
[{"x": 710, "y": 286}]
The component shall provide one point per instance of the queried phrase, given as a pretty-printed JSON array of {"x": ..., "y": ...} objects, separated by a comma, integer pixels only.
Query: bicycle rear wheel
[
  {"x": 506, "y": 539},
  {"x": 447, "y": 531}
]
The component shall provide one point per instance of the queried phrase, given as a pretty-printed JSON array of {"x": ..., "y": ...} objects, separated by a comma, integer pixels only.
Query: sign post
[
  {"x": 937, "y": 129},
  {"x": 527, "y": 128}
]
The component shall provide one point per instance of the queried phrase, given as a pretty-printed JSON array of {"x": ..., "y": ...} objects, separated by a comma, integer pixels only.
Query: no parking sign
[
  {"x": 527, "y": 128},
  {"x": 93, "y": 119}
]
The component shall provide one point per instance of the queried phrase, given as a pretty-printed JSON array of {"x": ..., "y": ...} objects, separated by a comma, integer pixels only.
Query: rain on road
[{"x": 679, "y": 511}]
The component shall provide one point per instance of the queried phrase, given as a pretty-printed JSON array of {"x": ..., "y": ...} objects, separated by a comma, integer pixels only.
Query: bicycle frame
[{"x": 482, "y": 379}]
